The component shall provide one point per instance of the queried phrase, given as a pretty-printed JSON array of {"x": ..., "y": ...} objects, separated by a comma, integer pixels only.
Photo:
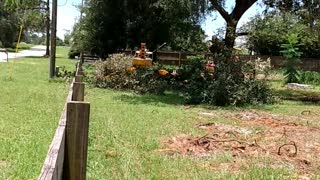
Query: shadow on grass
[
  {"x": 35, "y": 57},
  {"x": 170, "y": 98},
  {"x": 44, "y": 57},
  {"x": 298, "y": 95}
]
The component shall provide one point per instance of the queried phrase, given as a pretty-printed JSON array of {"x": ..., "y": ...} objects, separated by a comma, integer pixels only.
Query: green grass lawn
[
  {"x": 127, "y": 131},
  {"x": 30, "y": 108}
]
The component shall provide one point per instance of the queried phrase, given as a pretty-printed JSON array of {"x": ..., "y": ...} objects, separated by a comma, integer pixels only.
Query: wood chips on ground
[{"x": 259, "y": 134}]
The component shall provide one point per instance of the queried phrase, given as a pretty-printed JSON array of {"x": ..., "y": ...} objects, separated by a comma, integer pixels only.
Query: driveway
[{"x": 36, "y": 51}]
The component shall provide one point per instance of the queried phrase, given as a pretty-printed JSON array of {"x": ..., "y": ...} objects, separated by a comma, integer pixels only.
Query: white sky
[
  {"x": 213, "y": 23},
  {"x": 68, "y": 14}
]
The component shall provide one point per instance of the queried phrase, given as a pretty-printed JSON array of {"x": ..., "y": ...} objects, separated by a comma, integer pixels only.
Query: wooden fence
[
  {"x": 67, "y": 155},
  {"x": 173, "y": 57},
  {"x": 179, "y": 58}
]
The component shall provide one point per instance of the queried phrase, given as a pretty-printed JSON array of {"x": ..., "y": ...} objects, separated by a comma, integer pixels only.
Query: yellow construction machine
[{"x": 142, "y": 58}]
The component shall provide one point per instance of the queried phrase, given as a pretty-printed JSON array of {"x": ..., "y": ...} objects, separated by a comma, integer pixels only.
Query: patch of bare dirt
[
  {"x": 279, "y": 138},
  {"x": 3, "y": 164}
]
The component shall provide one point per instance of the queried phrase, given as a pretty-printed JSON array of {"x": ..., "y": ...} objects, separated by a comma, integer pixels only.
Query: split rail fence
[{"x": 67, "y": 155}]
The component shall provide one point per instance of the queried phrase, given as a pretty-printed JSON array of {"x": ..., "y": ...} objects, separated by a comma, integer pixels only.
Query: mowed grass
[
  {"x": 127, "y": 131},
  {"x": 30, "y": 108}
]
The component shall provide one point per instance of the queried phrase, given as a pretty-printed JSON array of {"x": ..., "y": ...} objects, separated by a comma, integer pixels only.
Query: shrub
[
  {"x": 310, "y": 77},
  {"x": 292, "y": 55},
  {"x": 227, "y": 87},
  {"x": 267, "y": 32},
  {"x": 73, "y": 53},
  {"x": 63, "y": 73},
  {"x": 113, "y": 73}
]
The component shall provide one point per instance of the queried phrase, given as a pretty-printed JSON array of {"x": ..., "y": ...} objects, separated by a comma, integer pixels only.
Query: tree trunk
[{"x": 230, "y": 36}]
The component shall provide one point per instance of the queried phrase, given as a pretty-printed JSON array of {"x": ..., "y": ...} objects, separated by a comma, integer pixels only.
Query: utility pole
[
  {"x": 53, "y": 38},
  {"x": 48, "y": 29},
  {"x": 81, "y": 15}
]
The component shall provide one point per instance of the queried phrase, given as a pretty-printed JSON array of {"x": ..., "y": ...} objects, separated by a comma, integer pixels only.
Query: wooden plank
[
  {"x": 180, "y": 58},
  {"x": 78, "y": 91},
  {"x": 78, "y": 78},
  {"x": 81, "y": 58},
  {"x": 53, "y": 165},
  {"x": 167, "y": 58},
  {"x": 79, "y": 71},
  {"x": 76, "y": 147}
]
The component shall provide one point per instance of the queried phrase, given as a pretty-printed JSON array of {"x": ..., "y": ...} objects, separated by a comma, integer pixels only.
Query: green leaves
[
  {"x": 292, "y": 54},
  {"x": 111, "y": 25},
  {"x": 268, "y": 32}
]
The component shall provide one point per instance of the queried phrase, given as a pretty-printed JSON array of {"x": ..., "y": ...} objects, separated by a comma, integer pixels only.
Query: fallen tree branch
[
  {"x": 292, "y": 143},
  {"x": 213, "y": 140}
]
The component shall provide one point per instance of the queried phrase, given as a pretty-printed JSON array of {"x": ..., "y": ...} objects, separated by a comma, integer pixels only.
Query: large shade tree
[
  {"x": 109, "y": 25},
  {"x": 8, "y": 27},
  {"x": 30, "y": 14},
  {"x": 232, "y": 19},
  {"x": 308, "y": 8},
  {"x": 158, "y": 21}
]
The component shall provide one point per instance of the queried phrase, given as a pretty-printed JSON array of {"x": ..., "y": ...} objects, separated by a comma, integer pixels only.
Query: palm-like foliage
[{"x": 291, "y": 53}]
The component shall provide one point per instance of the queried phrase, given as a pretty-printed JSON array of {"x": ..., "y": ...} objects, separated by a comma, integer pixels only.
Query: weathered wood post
[
  {"x": 76, "y": 144},
  {"x": 81, "y": 58},
  {"x": 79, "y": 69},
  {"x": 78, "y": 91},
  {"x": 179, "y": 58},
  {"x": 78, "y": 78}
]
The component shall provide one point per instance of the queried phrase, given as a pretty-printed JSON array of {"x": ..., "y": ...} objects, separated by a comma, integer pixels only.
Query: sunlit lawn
[
  {"x": 30, "y": 107},
  {"x": 127, "y": 131}
]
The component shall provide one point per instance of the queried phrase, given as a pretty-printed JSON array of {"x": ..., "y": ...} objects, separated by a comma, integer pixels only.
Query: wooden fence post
[
  {"x": 78, "y": 78},
  {"x": 78, "y": 91},
  {"x": 179, "y": 58},
  {"x": 79, "y": 71},
  {"x": 76, "y": 145},
  {"x": 81, "y": 58}
]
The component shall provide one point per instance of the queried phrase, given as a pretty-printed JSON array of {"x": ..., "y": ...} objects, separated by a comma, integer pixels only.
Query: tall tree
[
  {"x": 102, "y": 29},
  {"x": 8, "y": 26},
  {"x": 232, "y": 19},
  {"x": 31, "y": 14},
  {"x": 109, "y": 25}
]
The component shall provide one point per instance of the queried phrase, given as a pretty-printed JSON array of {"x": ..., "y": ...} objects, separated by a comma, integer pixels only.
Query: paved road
[{"x": 36, "y": 51}]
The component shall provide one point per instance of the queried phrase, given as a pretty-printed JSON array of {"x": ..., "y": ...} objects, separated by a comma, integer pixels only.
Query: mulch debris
[{"x": 279, "y": 138}]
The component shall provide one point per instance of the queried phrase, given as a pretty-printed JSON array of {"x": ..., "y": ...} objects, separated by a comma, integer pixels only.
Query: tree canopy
[
  {"x": 109, "y": 25},
  {"x": 268, "y": 32},
  {"x": 30, "y": 14}
]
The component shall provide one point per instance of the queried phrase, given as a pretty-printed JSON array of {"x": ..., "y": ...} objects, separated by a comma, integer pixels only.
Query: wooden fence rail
[
  {"x": 179, "y": 58},
  {"x": 67, "y": 155}
]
